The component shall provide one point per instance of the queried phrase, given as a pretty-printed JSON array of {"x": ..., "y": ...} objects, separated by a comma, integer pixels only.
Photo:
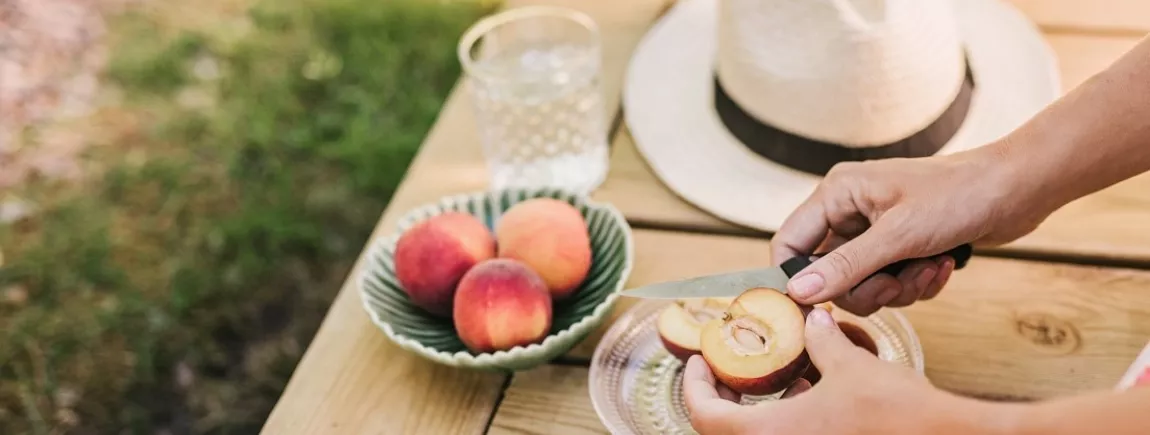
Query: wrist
[
  {"x": 1032, "y": 180},
  {"x": 1087, "y": 140},
  {"x": 1008, "y": 185}
]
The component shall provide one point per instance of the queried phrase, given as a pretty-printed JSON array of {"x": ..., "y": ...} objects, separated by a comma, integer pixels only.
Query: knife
[{"x": 735, "y": 283}]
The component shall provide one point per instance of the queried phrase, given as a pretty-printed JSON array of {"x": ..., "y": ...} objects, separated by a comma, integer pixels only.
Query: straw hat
[{"x": 741, "y": 106}]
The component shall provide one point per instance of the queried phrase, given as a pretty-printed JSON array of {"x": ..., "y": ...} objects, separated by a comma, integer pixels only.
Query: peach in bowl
[{"x": 503, "y": 280}]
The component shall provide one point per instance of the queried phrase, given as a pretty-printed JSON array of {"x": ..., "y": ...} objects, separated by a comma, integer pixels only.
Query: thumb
[
  {"x": 829, "y": 349},
  {"x": 845, "y": 267}
]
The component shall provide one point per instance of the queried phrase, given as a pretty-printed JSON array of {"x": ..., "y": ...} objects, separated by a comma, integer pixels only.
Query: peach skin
[
  {"x": 432, "y": 256},
  {"x": 551, "y": 237},
  {"x": 501, "y": 303}
]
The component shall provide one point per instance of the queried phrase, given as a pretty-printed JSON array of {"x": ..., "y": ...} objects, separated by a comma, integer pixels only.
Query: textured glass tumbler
[{"x": 534, "y": 74}]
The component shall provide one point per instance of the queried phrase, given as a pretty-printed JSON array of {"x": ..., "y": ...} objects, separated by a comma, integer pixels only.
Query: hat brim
[{"x": 668, "y": 100}]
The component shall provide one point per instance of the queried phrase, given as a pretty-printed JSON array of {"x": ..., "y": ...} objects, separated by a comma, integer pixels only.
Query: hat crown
[{"x": 859, "y": 73}]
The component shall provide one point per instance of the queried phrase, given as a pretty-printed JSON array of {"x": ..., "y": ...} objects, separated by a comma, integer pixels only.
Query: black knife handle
[{"x": 960, "y": 254}]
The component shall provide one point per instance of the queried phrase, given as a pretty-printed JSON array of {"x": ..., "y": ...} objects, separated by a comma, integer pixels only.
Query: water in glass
[{"x": 539, "y": 109}]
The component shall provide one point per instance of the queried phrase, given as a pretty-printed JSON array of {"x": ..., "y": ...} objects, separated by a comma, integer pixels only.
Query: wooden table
[{"x": 1023, "y": 322}]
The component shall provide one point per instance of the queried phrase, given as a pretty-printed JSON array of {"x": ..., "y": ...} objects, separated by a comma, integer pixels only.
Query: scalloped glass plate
[{"x": 634, "y": 381}]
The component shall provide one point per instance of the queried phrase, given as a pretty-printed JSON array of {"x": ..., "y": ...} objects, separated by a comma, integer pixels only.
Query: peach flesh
[
  {"x": 433, "y": 255},
  {"x": 551, "y": 237},
  {"x": 500, "y": 304},
  {"x": 680, "y": 324},
  {"x": 758, "y": 347}
]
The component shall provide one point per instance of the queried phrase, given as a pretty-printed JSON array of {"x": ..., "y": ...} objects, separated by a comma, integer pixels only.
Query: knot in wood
[{"x": 1048, "y": 332}]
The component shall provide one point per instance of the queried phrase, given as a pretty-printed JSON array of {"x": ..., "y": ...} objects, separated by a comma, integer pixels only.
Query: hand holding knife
[{"x": 735, "y": 283}]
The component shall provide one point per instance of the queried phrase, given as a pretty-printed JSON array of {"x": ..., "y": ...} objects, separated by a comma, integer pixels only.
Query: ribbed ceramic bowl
[{"x": 435, "y": 338}]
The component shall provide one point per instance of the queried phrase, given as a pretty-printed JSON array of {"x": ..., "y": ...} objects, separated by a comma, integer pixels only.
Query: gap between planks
[
  {"x": 1094, "y": 32},
  {"x": 498, "y": 401}
]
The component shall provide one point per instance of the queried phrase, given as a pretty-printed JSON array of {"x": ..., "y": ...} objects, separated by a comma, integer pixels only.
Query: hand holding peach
[
  {"x": 856, "y": 335},
  {"x": 757, "y": 346},
  {"x": 860, "y": 394}
]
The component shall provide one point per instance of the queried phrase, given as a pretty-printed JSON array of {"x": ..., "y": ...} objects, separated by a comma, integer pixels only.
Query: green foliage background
[{"x": 177, "y": 290}]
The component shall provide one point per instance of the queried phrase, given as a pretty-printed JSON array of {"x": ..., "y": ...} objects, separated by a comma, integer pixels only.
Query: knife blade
[
  {"x": 714, "y": 286},
  {"x": 735, "y": 283}
]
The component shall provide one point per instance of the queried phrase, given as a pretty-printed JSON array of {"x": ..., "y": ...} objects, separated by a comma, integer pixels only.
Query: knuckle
[
  {"x": 845, "y": 169},
  {"x": 854, "y": 306},
  {"x": 844, "y": 262},
  {"x": 778, "y": 245},
  {"x": 901, "y": 301},
  {"x": 862, "y": 310},
  {"x": 840, "y": 175}
]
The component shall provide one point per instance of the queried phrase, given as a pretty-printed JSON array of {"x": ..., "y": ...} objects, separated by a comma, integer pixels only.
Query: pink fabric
[{"x": 1139, "y": 372}]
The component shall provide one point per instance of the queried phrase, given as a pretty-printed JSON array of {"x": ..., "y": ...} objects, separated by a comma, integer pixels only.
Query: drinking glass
[{"x": 534, "y": 74}]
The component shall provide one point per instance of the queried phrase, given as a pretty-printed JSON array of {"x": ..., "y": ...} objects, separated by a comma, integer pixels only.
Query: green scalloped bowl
[{"x": 435, "y": 338}]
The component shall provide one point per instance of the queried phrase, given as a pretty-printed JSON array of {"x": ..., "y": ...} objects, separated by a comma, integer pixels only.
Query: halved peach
[
  {"x": 757, "y": 347},
  {"x": 680, "y": 324}
]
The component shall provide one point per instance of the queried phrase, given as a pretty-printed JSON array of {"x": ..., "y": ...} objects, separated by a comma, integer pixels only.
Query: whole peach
[
  {"x": 550, "y": 236},
  {"x": 432, "y": 256},
  {"x": 501, "y": 303}
]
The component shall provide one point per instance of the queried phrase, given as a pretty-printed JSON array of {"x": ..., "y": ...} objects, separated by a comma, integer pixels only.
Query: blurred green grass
[{"x": 177, "y": 290}]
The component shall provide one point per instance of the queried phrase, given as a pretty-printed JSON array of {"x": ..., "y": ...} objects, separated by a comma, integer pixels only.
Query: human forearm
[
  {"x": 1110, "y": 413},
  {"x": 955, "y": 415},
  {"x": 1095, "y": 136}
]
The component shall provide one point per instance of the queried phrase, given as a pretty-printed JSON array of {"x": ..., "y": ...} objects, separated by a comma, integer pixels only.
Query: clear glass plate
[{"x": 634, "y": 381}]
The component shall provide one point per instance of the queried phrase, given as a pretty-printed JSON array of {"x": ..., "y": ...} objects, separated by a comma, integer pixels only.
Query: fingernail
[
  {"x": 924, "y": 278},
  {"x": 821, "y": 317},
  {"x": 805, "y": 285},
  {"x": 886, "y": 296}
]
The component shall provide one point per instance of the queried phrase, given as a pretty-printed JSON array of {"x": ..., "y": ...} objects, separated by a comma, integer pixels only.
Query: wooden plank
[
  {"x": 1102, "y": 16},
  {"x": 1118, "y": 218},
  {"x": 1008, "y": 328},
  {"x": 352, "y": 379},
  {"x": 1082, "y": 56},
  {"x": 634, "y": 189},
  {"x": 547, "y": 400}
]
